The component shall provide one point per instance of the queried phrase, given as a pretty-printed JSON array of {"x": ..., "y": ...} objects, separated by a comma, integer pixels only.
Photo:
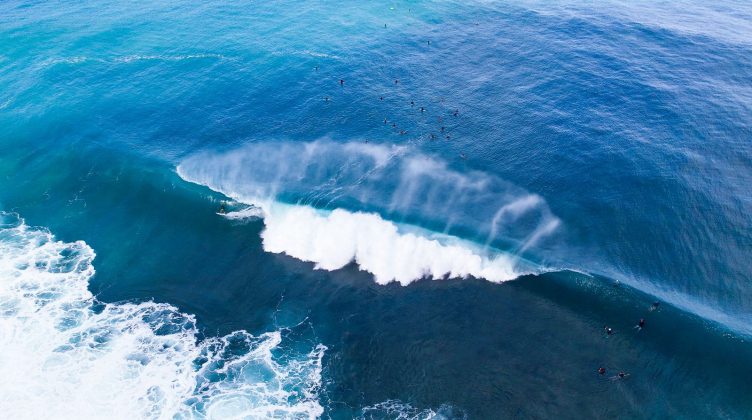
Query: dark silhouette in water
[
  {"x": 341, "y": 82},
  {"x": 608, "y": 330},
  {"x": 222, "y": 209},
  {"x": 601, "y": 370}
]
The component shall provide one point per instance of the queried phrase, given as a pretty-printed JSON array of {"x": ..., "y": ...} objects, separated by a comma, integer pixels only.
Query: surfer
[
  {"x": 601, "y": 370},
  {"x": 608, "y": 330},
  {"x": 341, "y": 82},
  {"x": 396, "y": 81},
  {"x": 422, "y": 109},
  {"x": 456, "y": 112},
  {"x": 326, "y": 99},
  {"x": 412, "y": 103},
  {"x": 640, "y": 324},
  {"x": 222, "y": 209}
]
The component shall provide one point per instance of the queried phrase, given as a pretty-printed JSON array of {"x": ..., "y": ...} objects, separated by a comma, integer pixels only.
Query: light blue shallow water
[{"x": 598, "y": 155}]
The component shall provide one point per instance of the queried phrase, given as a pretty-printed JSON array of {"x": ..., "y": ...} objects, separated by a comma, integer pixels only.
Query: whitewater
[{"x": 72, "y": 356}]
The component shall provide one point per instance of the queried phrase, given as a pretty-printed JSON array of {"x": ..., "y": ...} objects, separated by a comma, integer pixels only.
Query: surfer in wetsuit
[
  {"x": 222, "y": 209},
  {"x": 608, "y": 330},
  {"x": 640, "y": 324},
  {"x": 601, "y": 370}
]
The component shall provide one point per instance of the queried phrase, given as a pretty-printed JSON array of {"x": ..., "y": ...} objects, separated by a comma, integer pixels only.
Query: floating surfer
[
  {"x": 608, "y": 330},
  {"x": 619, "y": 376},
  {"x": 640, "y": 324}
]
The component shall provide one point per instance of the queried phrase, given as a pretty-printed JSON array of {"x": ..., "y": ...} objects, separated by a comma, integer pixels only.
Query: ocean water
[{"x": 380, "y": 210}]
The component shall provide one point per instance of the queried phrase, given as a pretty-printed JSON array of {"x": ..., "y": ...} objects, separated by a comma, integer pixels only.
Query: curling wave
[
  {"x": 71, "y": 356},
  {"x": 392, "y": 189}
]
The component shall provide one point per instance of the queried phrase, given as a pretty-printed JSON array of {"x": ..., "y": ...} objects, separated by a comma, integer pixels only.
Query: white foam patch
[
  {"x": 333, "y": 239},
  {"x": 398, "y": 410},
  {"x": 65, "y": 355},
  {"x": 250, "y": 212}
]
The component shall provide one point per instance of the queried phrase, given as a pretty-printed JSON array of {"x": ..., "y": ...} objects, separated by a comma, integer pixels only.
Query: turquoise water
[{"x": 443, "y": 234}]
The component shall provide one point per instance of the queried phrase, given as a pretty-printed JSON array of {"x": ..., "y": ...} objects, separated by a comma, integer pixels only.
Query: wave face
[
  {"x": 403, "y": 201},
  {"x": 71, "y": 356}
]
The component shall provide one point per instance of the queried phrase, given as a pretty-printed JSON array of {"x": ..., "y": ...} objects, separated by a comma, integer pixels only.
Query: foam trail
[
  {"x": 398, "y": 410},
  {"x": 69, "y": 356},
  {"x": 389, "y": 186}
]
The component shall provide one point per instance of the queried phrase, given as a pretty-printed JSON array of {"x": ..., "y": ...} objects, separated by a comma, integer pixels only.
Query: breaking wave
[{"x": 399, "y": 215}]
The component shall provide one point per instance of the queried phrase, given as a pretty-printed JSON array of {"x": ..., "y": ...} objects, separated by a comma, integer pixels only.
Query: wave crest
[{"x": 410, "y": 209}]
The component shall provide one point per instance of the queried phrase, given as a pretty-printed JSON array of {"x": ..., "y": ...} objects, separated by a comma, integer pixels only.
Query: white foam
[
  {"x": 64, "y": 355},
  {"x": 398, "y": 410},
  {"x": 250, "y": 212},
  {"x": 333, "y": 239}
]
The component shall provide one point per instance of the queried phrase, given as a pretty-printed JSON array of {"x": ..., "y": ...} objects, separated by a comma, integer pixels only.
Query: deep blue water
[{"x": 598, "y": 156}]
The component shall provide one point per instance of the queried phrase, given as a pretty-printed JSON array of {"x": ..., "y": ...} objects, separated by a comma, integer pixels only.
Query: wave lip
[
  {"x": 71, "y": 356},
  {"x": 387, "y": 183}
]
